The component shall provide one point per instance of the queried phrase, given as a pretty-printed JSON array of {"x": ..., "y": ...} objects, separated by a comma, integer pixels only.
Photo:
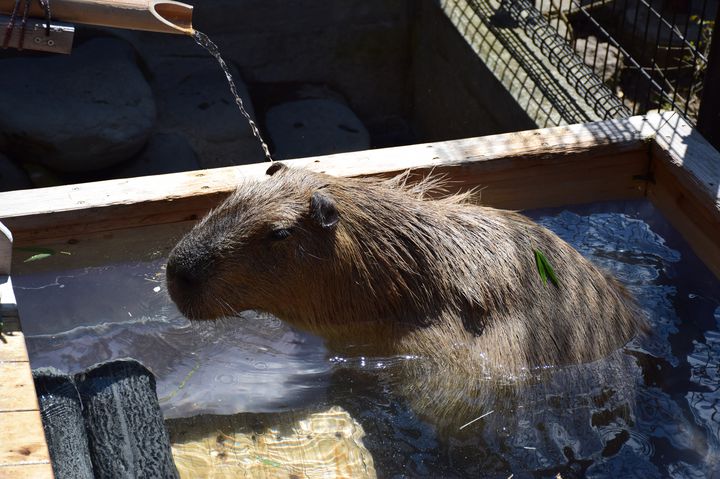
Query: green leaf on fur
[{"x": 544, "y": 268}]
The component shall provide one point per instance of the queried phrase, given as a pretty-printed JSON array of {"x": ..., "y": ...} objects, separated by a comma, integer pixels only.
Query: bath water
[{"x": 650, "y": 410}]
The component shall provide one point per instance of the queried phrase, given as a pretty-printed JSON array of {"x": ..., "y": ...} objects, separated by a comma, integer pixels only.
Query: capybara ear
[
  {"x": 275, "y": 167},
  {"x": 323, "y": 210}
]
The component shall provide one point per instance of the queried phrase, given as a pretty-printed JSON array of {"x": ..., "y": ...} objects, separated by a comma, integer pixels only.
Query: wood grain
[
  {"x": 686, "y": 186},
  {"x": 23, "y": 440},
  {"x": 12, "y": 348},
  {"x": 28, "y": 471},
  {"x": 16, "y": 388}
]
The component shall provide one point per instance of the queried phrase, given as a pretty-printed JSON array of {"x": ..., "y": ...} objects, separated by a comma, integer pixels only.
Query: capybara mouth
[
  {"x": 193, "y": 313},
  {"x": 195, "y": 309},
  {"x": 187, "y": 294}
]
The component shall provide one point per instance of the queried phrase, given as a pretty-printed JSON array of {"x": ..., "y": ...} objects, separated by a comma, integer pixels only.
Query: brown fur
[{"x": 378, "y": 266}]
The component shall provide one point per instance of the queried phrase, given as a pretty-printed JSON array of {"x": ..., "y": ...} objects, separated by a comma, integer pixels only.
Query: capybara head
[{"x": 256, "y": 248}]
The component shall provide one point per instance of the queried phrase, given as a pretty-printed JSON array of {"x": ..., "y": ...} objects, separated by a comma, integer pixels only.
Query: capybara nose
[{"x": 183, "y": 277}]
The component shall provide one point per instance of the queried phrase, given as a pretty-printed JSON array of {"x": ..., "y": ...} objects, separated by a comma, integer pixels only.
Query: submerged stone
[
  {"x": 82, "y": 112},
  {"x": 321, "y": 444}
]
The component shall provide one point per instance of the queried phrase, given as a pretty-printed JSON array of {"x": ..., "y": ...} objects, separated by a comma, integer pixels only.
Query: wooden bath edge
[
  {"x": 656, "y": 156},
  {"x": 514, "y": 170}
]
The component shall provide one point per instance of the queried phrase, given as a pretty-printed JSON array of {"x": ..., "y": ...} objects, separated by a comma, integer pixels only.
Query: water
[
  {"x": 255, "y": 363},
  {"x": 650, "y": 410},
  {"x": 203, "y": 40}
]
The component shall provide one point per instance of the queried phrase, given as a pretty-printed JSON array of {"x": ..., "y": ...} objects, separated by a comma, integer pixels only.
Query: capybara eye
[{"x": 280, "y": 234}]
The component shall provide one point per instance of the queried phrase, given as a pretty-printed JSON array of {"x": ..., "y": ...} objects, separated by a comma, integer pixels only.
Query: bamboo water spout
[{"x": 165, "y": 16}]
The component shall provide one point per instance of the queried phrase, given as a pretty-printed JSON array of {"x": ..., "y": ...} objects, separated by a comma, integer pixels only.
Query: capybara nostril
[
  {"x": 185, "y": 273},
  {"x": 182, "y": 278}
]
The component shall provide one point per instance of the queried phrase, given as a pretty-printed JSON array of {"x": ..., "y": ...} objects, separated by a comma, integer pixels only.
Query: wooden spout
[{"x": 165, "y": 16}]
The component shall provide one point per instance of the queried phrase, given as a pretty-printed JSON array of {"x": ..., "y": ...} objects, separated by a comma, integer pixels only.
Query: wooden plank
[
  {"x": 689, "y": 213},
  {"x": 77, "y": 210},
  {"x": 22, "y": 440},
  {"x": 17, "y": 389},
  {"x": 686, "y": 186},
  {"x": 28, "y": 471},
  {"x": 525, "y": 184},
  {"x": 12, "y": 347}
]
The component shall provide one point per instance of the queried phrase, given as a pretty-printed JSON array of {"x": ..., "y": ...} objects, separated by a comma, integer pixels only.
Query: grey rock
[
  {"x": 194, "y": 100},
  {"x": 198, "y": 98},
  {"x": 12, "y": 177},
  {"x": 312, "y": 127},
  {"x": 81, "y": 112},
  {"x": 164, "y": 153}
]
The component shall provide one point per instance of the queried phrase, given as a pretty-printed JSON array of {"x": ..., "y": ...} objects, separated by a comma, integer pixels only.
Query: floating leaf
[
  {"x": 40, "y": 252},
  {"x": 544, "y": 268},
  {"x": 37, "y": 257}
]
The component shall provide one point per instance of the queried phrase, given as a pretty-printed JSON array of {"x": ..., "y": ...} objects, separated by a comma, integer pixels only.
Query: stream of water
[{"x": 205, "y": 42}]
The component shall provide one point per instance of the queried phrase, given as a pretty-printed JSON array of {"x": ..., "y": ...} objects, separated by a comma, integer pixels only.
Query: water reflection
[
  {"x": 250, "y": 363},
  {"x": 650, "y": 410}
]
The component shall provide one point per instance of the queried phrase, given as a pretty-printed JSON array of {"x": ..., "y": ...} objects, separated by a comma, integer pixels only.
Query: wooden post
[
  {"x": 5, "y": 250},
  {"x": 709, "y": 115},
  {"x": 8, "y": 304},
  {"x": 166, "y": 16}
]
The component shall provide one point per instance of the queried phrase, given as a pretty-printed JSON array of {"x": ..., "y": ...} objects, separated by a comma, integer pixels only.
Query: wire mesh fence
[{"x": 652, "y": 54}]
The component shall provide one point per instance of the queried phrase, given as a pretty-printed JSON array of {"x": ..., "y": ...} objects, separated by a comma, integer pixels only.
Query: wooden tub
[{"x": 659, "y": 157}]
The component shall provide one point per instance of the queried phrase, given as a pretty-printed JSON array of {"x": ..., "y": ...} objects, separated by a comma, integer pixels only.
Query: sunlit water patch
[{"x": 650, "y": 410}]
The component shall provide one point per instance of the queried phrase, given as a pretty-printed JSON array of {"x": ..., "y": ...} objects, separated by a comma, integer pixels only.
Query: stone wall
[
  {"x": 455, "y": 94},
  {"x": 360, "y": 48},
  {"x": 318, "y": 77}
]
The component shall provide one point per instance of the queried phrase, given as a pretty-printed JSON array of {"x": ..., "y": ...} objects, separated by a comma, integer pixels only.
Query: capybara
[{"x": 379, "y": 265}]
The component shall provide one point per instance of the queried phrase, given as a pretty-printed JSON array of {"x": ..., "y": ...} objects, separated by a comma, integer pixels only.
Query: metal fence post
[{"x": 709, "y": 115}]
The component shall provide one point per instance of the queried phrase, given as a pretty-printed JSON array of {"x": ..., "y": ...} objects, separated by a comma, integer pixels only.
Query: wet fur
[{"x": 401, "y": 272}]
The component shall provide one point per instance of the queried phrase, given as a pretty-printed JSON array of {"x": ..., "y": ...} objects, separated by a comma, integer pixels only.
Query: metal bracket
[
  {"x": 8, "y": 303},
  {"x": 60, "y": 39}
]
